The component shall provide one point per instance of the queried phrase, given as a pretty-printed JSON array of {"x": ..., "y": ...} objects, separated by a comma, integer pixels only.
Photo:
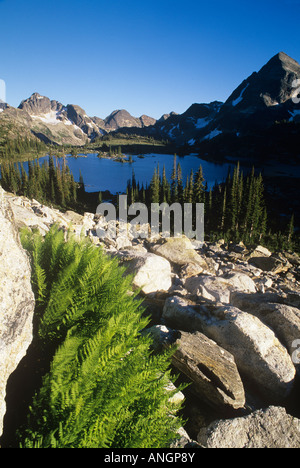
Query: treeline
[
  {"x": 19, "y": 146},
  {"x": 235, "y": 209},
  {"x": 50, "y": 182}
]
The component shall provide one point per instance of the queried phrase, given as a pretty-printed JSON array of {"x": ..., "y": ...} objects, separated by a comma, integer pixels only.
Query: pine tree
[
  {"x": 234, "y": 202},
  {"x": 264, "y": 223},
  {"x": 165, "y": 188},
  {"x": 81, "y": 182},
  {"x": 199, "y": 186},
  {"x": 24, "y": 183},
  {"x": 179, "y": 184},
  {"x": 258, "y": 206},
  {"x": 32, "y": 185},
  {"x": 186, "y": 190},
  {"x": 13, "y": 184},
  {"x": 154, "y": 187},
  {"x": 190, "y": 190},
  {"x": 174, "y": 187},
  {"x": 290, "y": 232},
  {"x": 224, "y": 207},
  {"x": 249, "y": 197}
]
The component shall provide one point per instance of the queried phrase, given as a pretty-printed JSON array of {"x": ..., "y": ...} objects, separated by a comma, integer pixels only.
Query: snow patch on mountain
[
  {"x": 49, "y": 118},
  {"x": 201, "y": 123},
  {"x": 294, "y": 114},
  {"x": 240, "y": 98},
  {"x": 213, "y": 134}
]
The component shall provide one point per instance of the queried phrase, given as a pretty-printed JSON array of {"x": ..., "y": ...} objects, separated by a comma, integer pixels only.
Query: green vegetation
[
  {"x": 104, "y": 387},
  {"x": 12, "y": 149},
  {"x": 48, "y": 183},
  {"x": 235, "y": 210},
  {"x": 116, "y": 144}
]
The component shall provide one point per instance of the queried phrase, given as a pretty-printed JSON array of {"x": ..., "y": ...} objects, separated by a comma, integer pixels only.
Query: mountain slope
[
  {"x": 254, "y": 107},
  {"x": 235, "y": 127},
  {"x": 53, "y": 122}
]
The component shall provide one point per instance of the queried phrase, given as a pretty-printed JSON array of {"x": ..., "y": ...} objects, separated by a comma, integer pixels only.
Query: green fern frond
[{"x": 104, "y": 388}]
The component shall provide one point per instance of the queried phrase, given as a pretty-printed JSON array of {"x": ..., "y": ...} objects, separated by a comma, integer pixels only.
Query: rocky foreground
[{"x": 233, "y": 312}]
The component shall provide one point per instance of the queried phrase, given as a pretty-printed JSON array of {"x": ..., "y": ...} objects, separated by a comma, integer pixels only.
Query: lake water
[{"x": 107, "y": 174}]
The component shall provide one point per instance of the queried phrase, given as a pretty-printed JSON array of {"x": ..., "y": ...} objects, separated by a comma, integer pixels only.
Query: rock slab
[
  {"x": 211, "y": 369},
  {"x": 266, "y": 428},
  {"x": 258, "y": 353},
  {"x": 16, "y": 300}
]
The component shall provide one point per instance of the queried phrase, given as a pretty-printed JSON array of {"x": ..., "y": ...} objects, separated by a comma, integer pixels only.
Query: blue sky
[{"x": 149, "y": 57}]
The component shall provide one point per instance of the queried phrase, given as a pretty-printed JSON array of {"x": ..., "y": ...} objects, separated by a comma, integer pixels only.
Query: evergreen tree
[
  {"x": 224, "y": 207},
  {"x": 81, "y": 182},
  {"x": 199, "y": 186},
  {"x": 258, "y": 206},
  {"x": 290, "y": 232},
  {"x": 24, "y": 183},
  {"x": 174, "y": 187},
  {"x": 165, "y": 188},
  {"x": 190, "y": 190},
  {"x": 179, "y": 184},
  {"x": 234, "y": 202},
  {"x": 154, "y": 187}
]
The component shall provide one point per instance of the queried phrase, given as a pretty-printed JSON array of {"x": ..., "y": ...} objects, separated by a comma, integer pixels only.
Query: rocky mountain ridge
[
  {"x": 239, "y": 126},
  {"x": 233, "y": 311},
  {"x": 53, "y": 122}
]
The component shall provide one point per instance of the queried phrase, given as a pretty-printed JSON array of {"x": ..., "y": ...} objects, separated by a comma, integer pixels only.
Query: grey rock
[
  {"x": 16, "y": 300},
  {"x": 151, "y": 273},
  {"x": 282, "y": 318},
  {"x": 266, "y": 428},
  {"x": 275, "y": 263},
  {"x": 211, "y": 369},
  {"x": 220, "y": 288},
  {"x": 258, "y": 353},
  {"x": 179, "y": 251}
]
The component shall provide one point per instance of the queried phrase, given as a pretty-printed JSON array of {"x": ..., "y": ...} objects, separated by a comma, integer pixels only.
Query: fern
[{"x": 104, "y": 387}]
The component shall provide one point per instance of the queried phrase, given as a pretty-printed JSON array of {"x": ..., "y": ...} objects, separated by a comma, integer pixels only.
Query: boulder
[
  {"x": 282, "y": 318},
  {"x": 265, "y": 428},
  {"x": 220, "y": 288},
  {"x": 275, "y": 263},
  {"x": 211, "y": 370},
  {"x": 122, "y": 242},
  {"x": 261, "y": 251},
  {"x": 293, "y": 258},
  {"x": 209, "y": 287},
  {"x": 16, "y": 300},
  {"x": 151, "y": 273},
  {"x": 26, "y": 217},
  {"x": 182, "y": 314},
  {"x": 180, "y": 252},
  {"x": 258, "y": 353}
]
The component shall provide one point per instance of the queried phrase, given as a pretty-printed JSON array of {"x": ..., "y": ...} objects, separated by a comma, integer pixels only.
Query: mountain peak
[
  {"x": 282, "y": 56},
  {"x": 36, "y": 104},
  {"x": 284, "y": 61},
  {"x": 122, "y": 118}
]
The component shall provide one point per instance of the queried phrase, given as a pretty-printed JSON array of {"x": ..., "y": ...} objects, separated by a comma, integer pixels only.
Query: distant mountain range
[
  {"x": 53, "y": 122},
  {"x": 255, "y": 121},
  {"x": 250, "y": 113},
  {"x": 257, "y": 102}
]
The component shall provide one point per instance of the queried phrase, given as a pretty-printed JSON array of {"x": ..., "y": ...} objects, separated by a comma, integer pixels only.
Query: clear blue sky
[{"x": 149, "y": 57}]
